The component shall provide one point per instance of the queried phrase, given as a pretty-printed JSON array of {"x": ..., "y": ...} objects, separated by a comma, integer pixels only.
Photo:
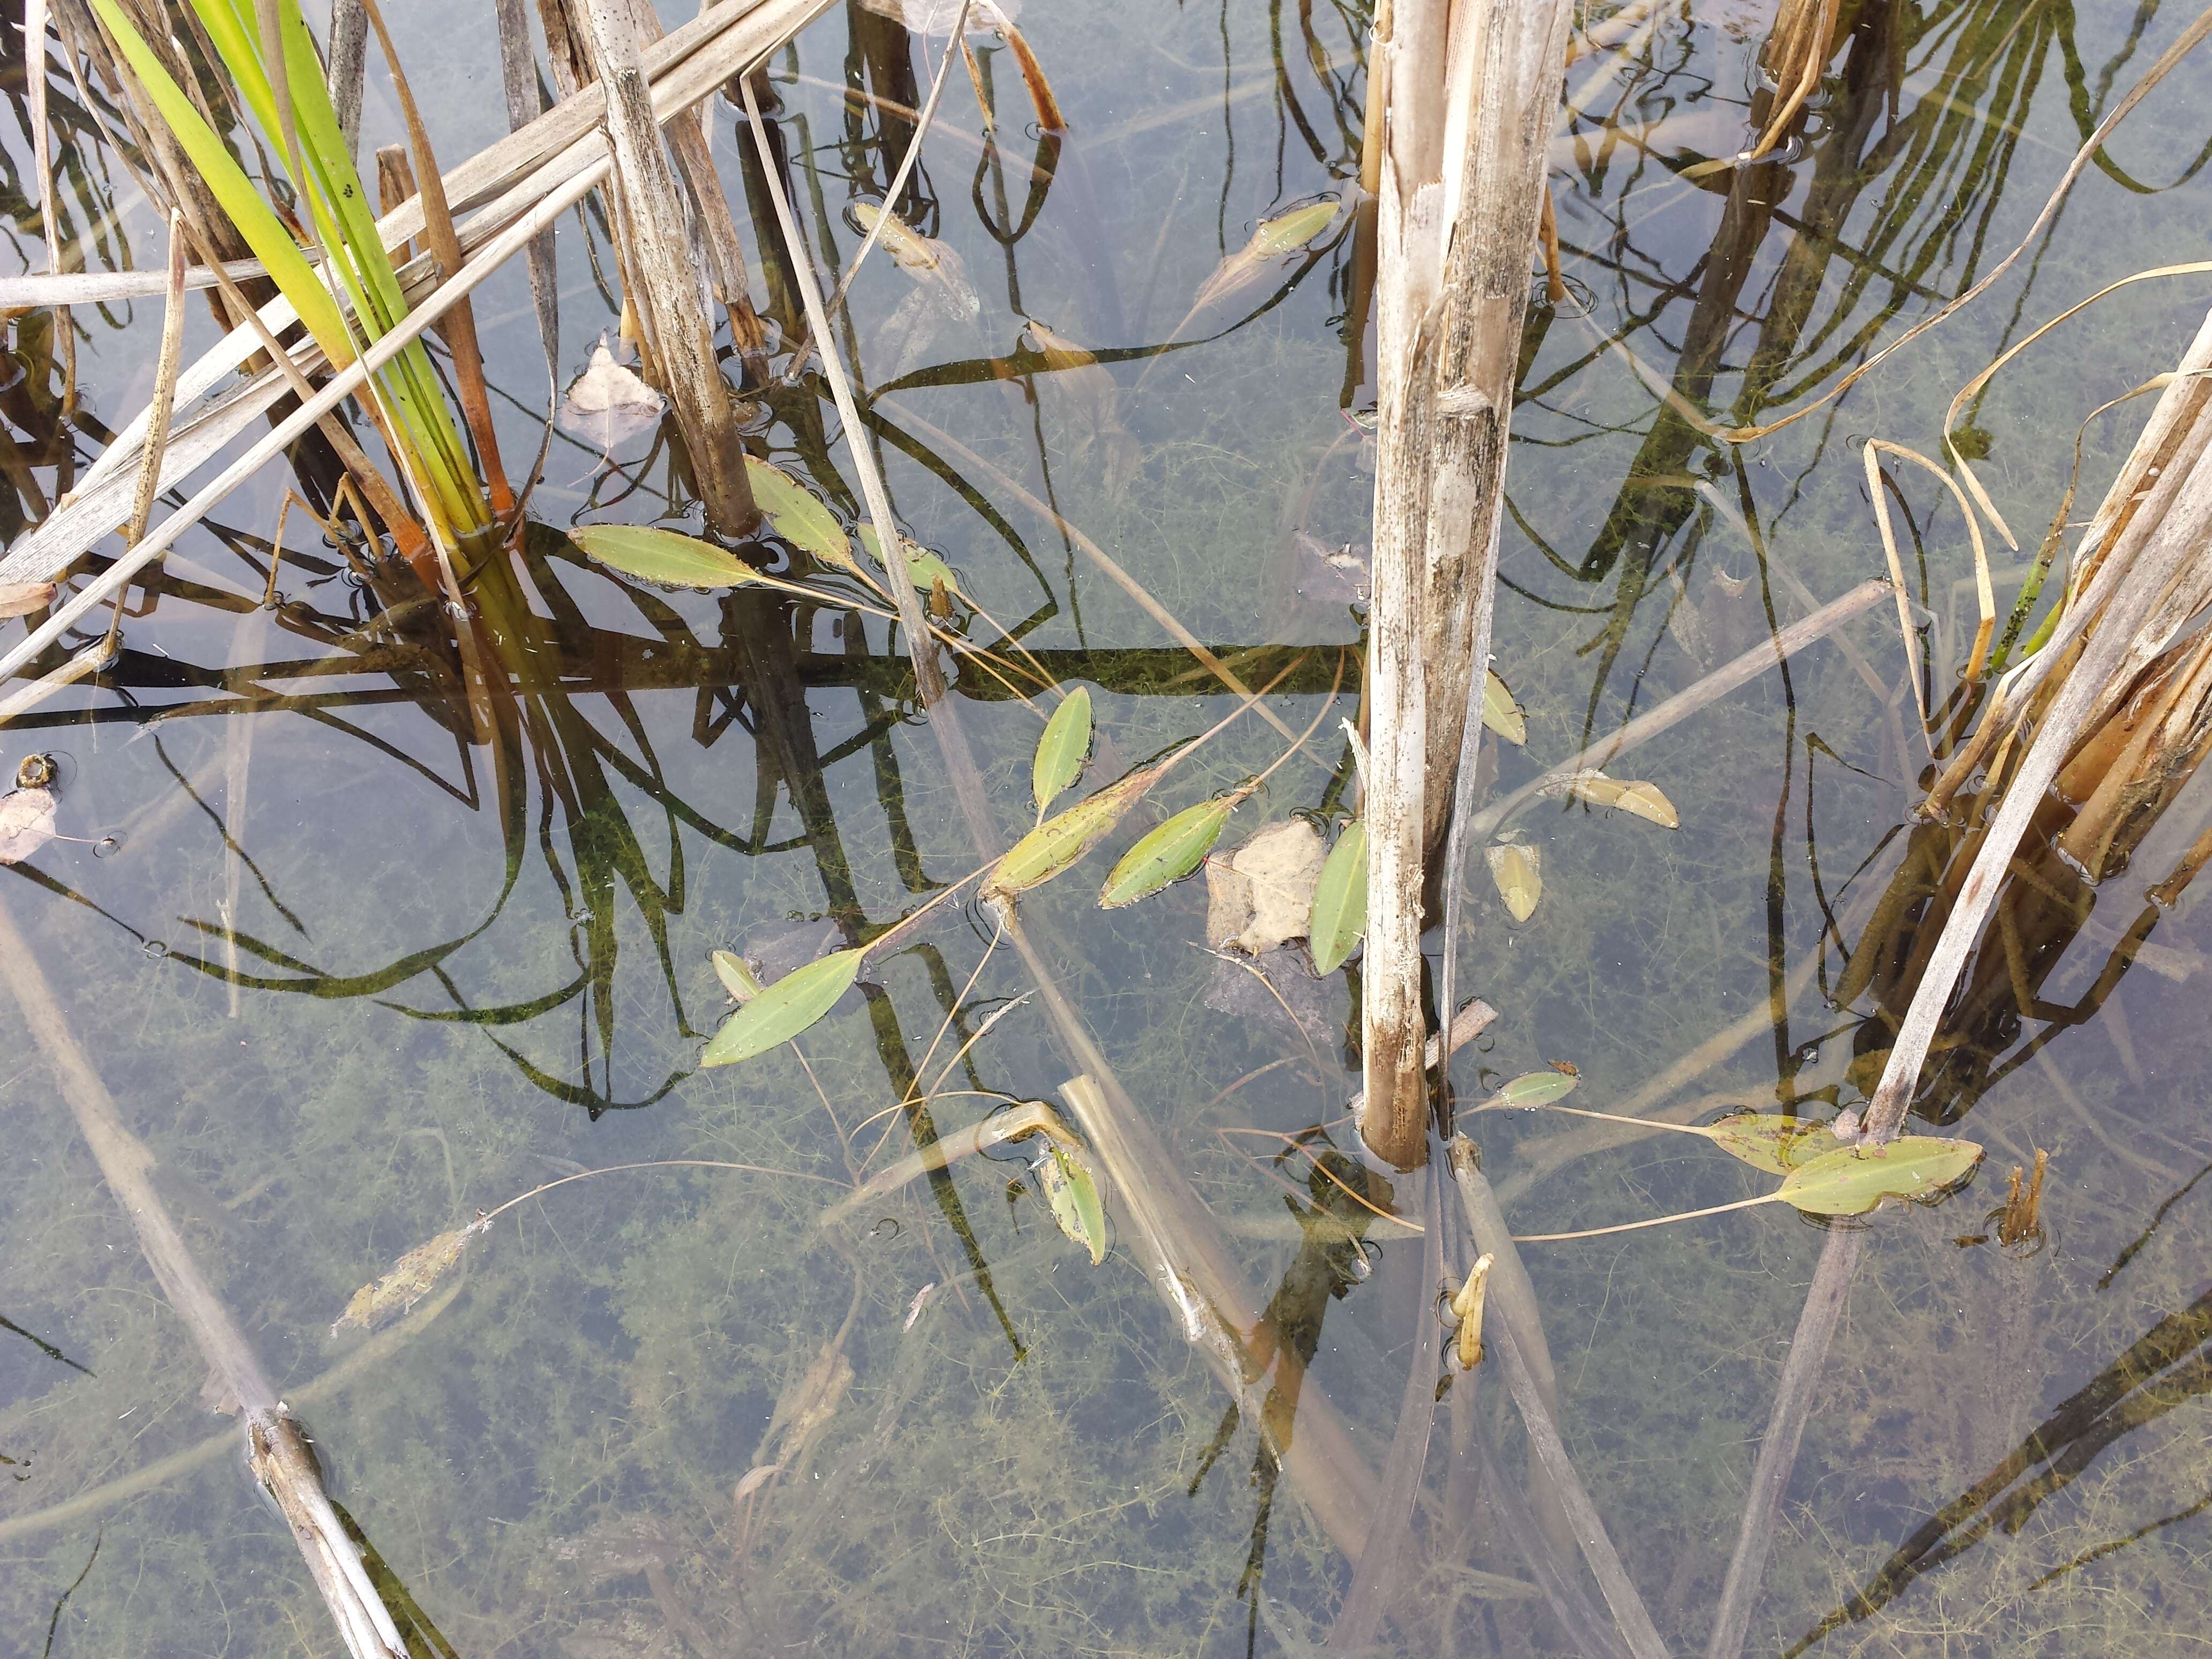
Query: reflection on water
[{"x": 397, "y": 921}]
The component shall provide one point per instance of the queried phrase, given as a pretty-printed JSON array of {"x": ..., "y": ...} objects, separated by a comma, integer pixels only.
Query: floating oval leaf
[
  {"x": 1518, "y": 870},
  {"x": 1167, "y": 852},
  {"x": 1500, "y": 713},
  {"x": 1064, "y": 747},
  {"x": 1536, "y": 1089},
  {"x": 1287, "y": 233},
  {"x": 1772, "y": 1142},
  {"x": 1852, "y": 1180},
  {"x": 784, "y": 1009},
  {"x": 1644, "y": 800},
  {"x": 1074, "y": 1195},
  {"x": 737, "y": 976},
  {"x": 1058, "y": 842},
  {"x": 794, "y": 514},
  {"x": 661, "y": 555},
  {"x": 1340, "y": 900}
]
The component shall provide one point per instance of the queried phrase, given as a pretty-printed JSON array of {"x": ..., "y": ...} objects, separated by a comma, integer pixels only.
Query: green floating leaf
[
  {"x": 794, "y": 514},
  {"x": 1058, "y": 842},
  {"x": 1289, "y": 232},
  {"x": 1536, "y": 1089},
  {"x": 784, "y": 1009},
  {"x": 1852, "y": 1180},
  {"x": 1772, "y": 1142},
  {"x": 737, "y": 976},
  {"x": 1340, "y": 900},
  {"x": 1167, "y": 852},
  {"x": 1074, "y": 1195},
  {"x": 1500, "y": 713},
  {"x": 1061, "y": 752},
  {"x": 662, "y": 556},
  {"x": 923, "y": 565}
]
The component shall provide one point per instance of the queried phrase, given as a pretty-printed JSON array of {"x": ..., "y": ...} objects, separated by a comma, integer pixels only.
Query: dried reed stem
[{"x": 276, "y": 1450}]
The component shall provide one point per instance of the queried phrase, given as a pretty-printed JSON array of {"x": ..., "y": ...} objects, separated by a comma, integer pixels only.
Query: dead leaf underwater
[
  {"x": 27, "y": 823},
  {"x": 609, "y": 404},
  {"x": 410, "y": 1279}
]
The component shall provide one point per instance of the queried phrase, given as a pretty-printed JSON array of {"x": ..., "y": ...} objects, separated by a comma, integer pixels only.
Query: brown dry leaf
[
  {"x": 411, "y": 1278},
  {"x": 27, "y": 823},
  {"x": 1644, "y": 801},
  {"x": 1518, "y": 870},
  {"x": 609, "y": 405},
  {"x": 20, "y": 598},
  {"x": 1260, "y": 895},
  {"x": 935, "y": 18}
]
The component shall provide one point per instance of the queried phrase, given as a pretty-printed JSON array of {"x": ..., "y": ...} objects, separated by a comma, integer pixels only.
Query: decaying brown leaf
[
  {"x": 1262, "y": 895},
  {"x": 20, "y": 598},
  {"x": 608, "y": 405},
  {"x": 413, "y": 1277},
  {"x": 935, "y": 18},
  {"x": 27, "y": 823},
  {"x": 1643, "y": 800}
]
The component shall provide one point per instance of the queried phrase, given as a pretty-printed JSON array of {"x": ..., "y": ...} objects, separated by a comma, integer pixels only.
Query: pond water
[{"x": 356, "y": 967}]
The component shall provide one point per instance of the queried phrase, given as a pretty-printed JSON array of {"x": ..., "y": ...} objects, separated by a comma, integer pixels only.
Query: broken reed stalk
[
  {"x": 666, "y": 284},
  {"x": 1520, "y": 1345},
  {"x": 277, "y": 1452},
  {"x": 2140, "y": 545},
  {"x": 1469, "y": 106}
]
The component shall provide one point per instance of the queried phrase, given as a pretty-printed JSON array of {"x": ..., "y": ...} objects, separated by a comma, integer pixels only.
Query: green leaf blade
[
  {"x": 1854, "y": 1180},
  {"x": 1340, "y": 901},
  {"x": 1536, "y": 1089},
  {"x": 794, "y": 512},
  {"x": 661, "y": 555},
  {"x": 1057, "y": 843},
  {"x": 1073, "y": 1193},
  {"x": 784, "y": 1009},
  {"x": 1063, "y": 749},
  {"x": 1167, "y": 852},
  {"x": 1772, "y": 1142}
]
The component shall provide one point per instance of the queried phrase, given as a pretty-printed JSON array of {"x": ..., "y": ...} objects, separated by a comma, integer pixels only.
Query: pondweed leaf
[
  {"x": 923, "y": 565},
  {"x": 1074, "y": 1195},
  {"x": 784, "y": 1009},
  {"x": 1500, "y": 713},
  {"x": 1852, "y": 1180},
  {"x": 1644, "y": 800},
  {"x": 661, "y": 555},
  {"x": 1058, "y": 842},
  {"x": 1518, "y": 870},
  {"x": 737, "y": 976},
  {"x": 794, "y": 514},
  {"x": 1287, "y": 233},
  {"x": 936, "y": 266},
  {"x": 1772, "y": 1142},
  {"x": 1167, "y": 852},
  {"x": 1061, "y": 752},
  {"x": 1536, "y": 1089},
  {"x": 1340, "y": 900},
  {"x": 410, "y": 1279}
]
